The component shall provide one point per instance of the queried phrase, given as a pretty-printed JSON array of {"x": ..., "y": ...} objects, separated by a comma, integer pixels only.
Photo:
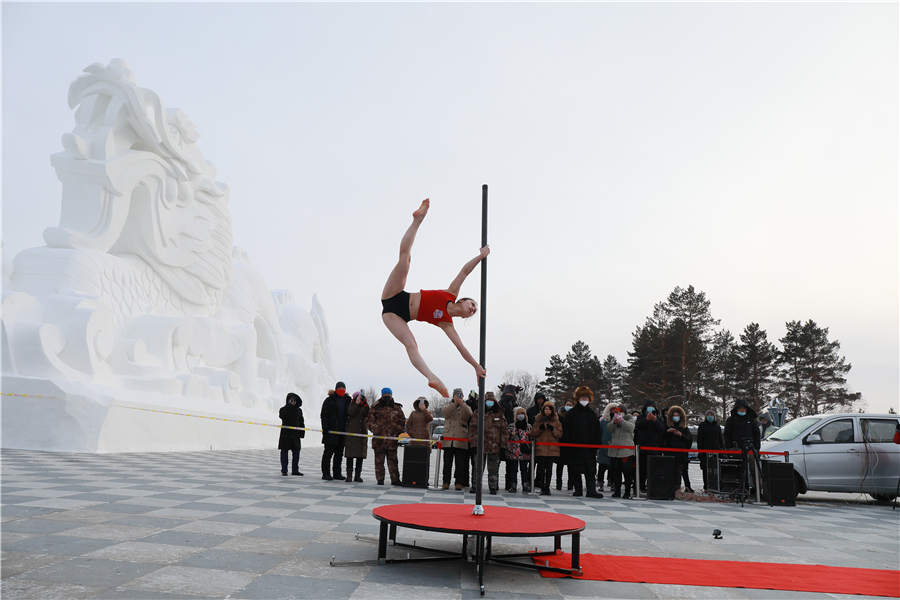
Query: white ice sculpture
[{"x": 141, "y": 299}]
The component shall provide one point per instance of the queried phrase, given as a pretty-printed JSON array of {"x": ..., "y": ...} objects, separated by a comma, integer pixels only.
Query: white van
[{"x": 849, "y": 452}]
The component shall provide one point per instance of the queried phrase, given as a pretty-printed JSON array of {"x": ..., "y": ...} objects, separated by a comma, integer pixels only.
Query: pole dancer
[{"x": 437, "y": 307}]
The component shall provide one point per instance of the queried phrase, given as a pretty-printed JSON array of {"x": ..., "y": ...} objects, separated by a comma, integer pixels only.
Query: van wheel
[
  {"x": 883, "y": 498},
  {"x": 800, "y": 485}
]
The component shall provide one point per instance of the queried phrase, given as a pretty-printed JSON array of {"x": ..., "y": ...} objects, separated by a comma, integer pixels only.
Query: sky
[{"x": 750, "y": 150}]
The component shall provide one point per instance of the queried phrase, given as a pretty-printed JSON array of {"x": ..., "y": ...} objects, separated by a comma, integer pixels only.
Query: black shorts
[{"x": 397, "y": 304}]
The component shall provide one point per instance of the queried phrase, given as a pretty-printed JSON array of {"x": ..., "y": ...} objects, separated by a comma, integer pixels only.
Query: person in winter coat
[
  {"x": 355, "y": 447},
  {"x": 518, "y": 455},
  {"x": 740, "y": 427},
  {"x": 562, "y": 461},
  {"x": 386, "y": 418},
  {"x": 581, "y": 426},
  {"x": 508, "y": 393},
  {"x": 765, "y": 423},
  {"x": 677, "y": 435},
  {"x": 621, "y": 430},
  {"x": 648, "y": 431},
  {"x": 546, "y": 428},
  {"x": 603, "y": 453},
  {"x": 456, "y": 415},
  {"x": 291, "y": 415},
  {"x": 417, "y": 422},
  {"x": 334, "y": 418},
  {"x": 496, "y": 438},
  {"x": 709, "y": 437},
  {"x": 535, "y": 409}
]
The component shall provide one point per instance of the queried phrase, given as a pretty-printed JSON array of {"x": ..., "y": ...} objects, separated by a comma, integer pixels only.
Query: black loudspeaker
[
  {"x": 780, "y": 483},
  {"x": 415, "y": 466},
  {"x": 663, "y": 475}
]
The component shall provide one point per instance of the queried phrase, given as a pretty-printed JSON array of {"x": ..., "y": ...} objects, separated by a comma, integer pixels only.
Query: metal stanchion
[
  {"x": 756, "y": 474},
  {"x": 787, "y": 456},
  {"x": 637, "y": 473},
  {"x": 533, "y": 487},
  {"x": 437, "y": 466}
]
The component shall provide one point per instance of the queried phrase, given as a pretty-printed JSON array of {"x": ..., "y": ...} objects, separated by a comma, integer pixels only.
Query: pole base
[{"x": 478, "y": 510}]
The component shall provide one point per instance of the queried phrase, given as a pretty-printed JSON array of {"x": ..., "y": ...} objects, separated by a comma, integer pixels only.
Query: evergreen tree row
[{"x": 678, "y": 356}]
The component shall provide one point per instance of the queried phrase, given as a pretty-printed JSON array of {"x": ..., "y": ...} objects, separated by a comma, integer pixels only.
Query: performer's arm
[
  {"x": 456, "y": 284},
  {"x": 454, "y": 337}
]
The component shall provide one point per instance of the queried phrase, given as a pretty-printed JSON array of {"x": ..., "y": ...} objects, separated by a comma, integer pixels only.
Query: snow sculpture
[{"x": 140, "y": 298}]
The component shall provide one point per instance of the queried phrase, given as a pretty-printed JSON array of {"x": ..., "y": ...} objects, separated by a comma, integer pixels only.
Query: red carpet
[{"x": 728, "y": 573}]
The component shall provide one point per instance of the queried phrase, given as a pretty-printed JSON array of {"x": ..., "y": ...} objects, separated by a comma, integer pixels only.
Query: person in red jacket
[{"x": 438, "y": 307}]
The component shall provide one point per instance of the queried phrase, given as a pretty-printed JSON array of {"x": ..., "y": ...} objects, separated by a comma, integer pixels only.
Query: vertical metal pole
[
  {"x": 637, "y": 472},
  {"x": 479, "y": 462},
  {"x": 756, "y": 474},
  {"x": 437, "y": 466},
  {"x": 532, "y": 485}
]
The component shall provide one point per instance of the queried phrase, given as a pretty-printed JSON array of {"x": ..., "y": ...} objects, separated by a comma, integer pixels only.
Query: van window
[
  {"x": 879, "y": 430},
  {"x": 793, "y": 428},
  {"x": 837, "y": 432}
]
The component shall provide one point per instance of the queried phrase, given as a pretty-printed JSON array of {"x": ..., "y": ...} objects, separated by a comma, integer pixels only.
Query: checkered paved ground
[{"x": 227, "y": 524}]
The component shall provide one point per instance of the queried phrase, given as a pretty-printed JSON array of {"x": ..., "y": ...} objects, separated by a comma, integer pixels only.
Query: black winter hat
[
  {"x": 540, "y": 395},
  {"x": 293, "y": 396},
  {"x": 339, "y": 385}
]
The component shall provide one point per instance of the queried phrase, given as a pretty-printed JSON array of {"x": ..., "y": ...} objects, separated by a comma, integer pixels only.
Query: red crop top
[{"x": 433, "y": 306}]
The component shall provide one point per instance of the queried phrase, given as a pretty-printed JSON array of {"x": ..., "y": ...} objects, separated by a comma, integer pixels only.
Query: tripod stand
[{"x": 743, "y": 492}]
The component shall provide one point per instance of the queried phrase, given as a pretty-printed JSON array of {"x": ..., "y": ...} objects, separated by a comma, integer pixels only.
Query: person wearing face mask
[
  {"x": 603, "y": 453},
  {"x": 709, "y": 437},
  {"x": 518, "y": 455},
  {"x": 386, "y": 419},
  {"x": 456, "y": 415},
  {"x": 471, "y": 402},
  {"x": 740, "y": 427},
  {"x": 496, "y": 438},
  {"x": 621, "y": 430},
  {"x": 334, "y": 418},
  {"x": 291, "y": 415},
  {"x": 648, "y": 431},
  {"x": 355, "y": 447},
  {"x": 581, "y": 426},
  {"x": 546, "y": 428},
  {"x": 562, "y": 461},
  {"x": 677, "y": 435}
]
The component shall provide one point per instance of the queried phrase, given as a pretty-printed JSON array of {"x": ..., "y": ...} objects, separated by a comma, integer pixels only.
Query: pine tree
[
  {"x": 755, "y": 366},
  {"x": 556, "y": 378},
  {"x": 723, "y": 368},
  {"x": 583, "y": 368},
  {"x": 692, "y": 322},
  {"x": 811, "y": 374},
  {"x": 614, "y": 380}
]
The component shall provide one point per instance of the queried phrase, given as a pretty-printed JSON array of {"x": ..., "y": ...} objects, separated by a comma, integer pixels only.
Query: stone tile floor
[{"x": 226, "y": 524}]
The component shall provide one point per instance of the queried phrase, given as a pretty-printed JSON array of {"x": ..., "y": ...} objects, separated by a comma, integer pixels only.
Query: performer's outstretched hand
[
  {"x": 485, "y": 251},
  {"x": 479, "y": 371}
]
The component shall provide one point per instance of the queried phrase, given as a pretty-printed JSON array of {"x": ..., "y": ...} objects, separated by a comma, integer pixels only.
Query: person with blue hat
[{"x": 386, "y": 419}]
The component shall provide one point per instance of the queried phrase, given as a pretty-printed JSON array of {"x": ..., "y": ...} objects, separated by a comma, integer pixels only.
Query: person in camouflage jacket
[
  {"x": 496, "y": 438},
  {"x": 386, "y": 418},
  {"x": 518, "y": 456}
]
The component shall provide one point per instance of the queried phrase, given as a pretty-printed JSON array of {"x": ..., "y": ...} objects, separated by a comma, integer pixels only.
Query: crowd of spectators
[{"x": 562, "y": 437}]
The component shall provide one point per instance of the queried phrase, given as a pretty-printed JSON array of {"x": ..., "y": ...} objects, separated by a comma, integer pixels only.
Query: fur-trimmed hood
[{"x": 676, "y": 410}]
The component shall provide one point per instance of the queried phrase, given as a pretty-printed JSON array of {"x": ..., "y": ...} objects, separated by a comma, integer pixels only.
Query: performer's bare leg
[
  {"x": 396, "y": 281},
  {"x": 401, "y": 331}
]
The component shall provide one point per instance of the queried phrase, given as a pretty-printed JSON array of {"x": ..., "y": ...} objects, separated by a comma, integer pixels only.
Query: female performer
[{"x": 437, "y": 307}]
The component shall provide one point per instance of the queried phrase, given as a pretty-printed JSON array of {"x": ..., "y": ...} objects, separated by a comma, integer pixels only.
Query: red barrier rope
[{"x": 657, "y": 448}]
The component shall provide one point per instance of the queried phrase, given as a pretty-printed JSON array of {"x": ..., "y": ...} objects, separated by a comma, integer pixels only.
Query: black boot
[
  {"x": 349, "y": 470},
  {"x": 357, "y": 478}
]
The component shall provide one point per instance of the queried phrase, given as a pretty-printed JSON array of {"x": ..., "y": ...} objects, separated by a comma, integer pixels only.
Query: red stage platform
[{"x": 497, "y": 521}]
